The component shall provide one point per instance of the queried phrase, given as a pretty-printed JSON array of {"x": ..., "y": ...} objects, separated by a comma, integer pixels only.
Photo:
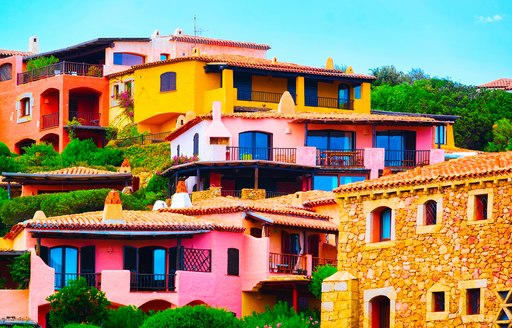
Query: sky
[{"x": 468, "y": 41}]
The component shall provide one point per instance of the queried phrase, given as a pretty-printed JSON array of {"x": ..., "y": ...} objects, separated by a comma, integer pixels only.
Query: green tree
[
  {"x": 318, "y": 277},
  {"x": 77, "y": 303},
  {"x": 41, "y": 62},
  {"x": 502, "y": 136}
]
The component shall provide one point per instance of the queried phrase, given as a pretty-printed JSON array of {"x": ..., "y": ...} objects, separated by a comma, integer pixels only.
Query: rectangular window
[
  {"x": 430, "y": 212},
  {"x": 481, "y": 202},
  {"x": 128, "y": 87},
  {"x": 233, "y": 262},
  {"x": 385, "y": 225},
  {"x": 25, "y": 107},
  {"x": 357, "y": 92},
  {"x": 473, "y": 301},
  {"x": 440, "y": 137},
  {"x": 438, "y": 302},
  {"x": 115, "y": 92},
  {"x": 168, "y": 81},
  {"x": 127, "y": 59},
  {"x": 164, "y": 56}
]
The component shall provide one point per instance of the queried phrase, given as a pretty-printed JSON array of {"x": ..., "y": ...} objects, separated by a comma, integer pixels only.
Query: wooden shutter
[
  {"x": 43, "y": 254},
  {"x": 88, "y": 259},
  {"x": 130, "y": 258},
  {"x": 233, "y": 261},
  {"x": 285, "y": 242}
]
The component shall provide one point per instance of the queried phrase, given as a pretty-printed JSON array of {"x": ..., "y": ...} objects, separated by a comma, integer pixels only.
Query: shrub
[
  {"x": 85, "y": 151},
  {"x": 20, "y": 209},
  {"x": 80, "y": 325},
  {"x": 20, "y": 270},
  {"x": 125, "y": 316},
  {"x": 4, "y": 150},
  {"x": 39, "y": 155},
  {"x": 41, "y": 62},
  {"x": 318, "y": 277},
  {"x": 282, "y": 316},
  {"x": 192, "y": 317},
  {"x": 77, "y": 303},
  {"x": 8, "y": 164}
]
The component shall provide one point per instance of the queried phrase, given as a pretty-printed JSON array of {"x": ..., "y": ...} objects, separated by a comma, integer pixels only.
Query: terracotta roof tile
[
  {"x": 78, "y": 170},
  {"x": 218, "y": 42},
  {"x": 470, "y": 167},
  {"x": 135, "y": 221},
  {"x": 301, "y": 222},
  {"x": 312, "y": 198},
  {"x": 504, "y": 83},
  {"x": 6, "y": 53}
]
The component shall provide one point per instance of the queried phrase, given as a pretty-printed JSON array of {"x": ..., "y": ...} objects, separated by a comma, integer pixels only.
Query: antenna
[{"x": 197, "y": 31}]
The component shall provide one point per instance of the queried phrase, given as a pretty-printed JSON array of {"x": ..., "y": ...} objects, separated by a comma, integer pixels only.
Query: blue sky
[{"x": 468, "y": 41}]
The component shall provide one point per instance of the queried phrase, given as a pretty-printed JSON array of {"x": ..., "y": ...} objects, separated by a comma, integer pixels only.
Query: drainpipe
[{"x": 9, "y": 189}]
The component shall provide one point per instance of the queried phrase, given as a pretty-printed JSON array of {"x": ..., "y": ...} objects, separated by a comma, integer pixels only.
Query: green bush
[
  {"x": 4, "y": 150},
  {"x": 39, "y": 157},
  {"x": 20, "y": 209},
  {"x": 20, "y": 270},
  {"x": 81, "y": 325},
  {"x": 318, "y": 277},
  {"x": 77, "y": 303},
  {"x": 192, "y": 317},
  {"x": 282, "y": 316},
  {"x": 125, "y": 316},
  {"x": 78, "y": 152},
  {"x": 41, "y": 62},
  {"x": 8, "y": 164}
]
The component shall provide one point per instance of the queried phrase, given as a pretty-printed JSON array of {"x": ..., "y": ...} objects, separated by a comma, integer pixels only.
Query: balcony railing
[
  {"x": 284, "y": 155},
  {"x": 238, "y": 193},
  {"x": 142, "y": 139},
  {"x": 263, "y": 96},
  {"x": 63, "y": 279},
  {"x": 346, "y": 158},
  {"x": 406, "y": 158},
  {"x": 318, "y": 261},
  {"x": 287, "y": 263},
  {"x": 85, "y": 118},
  {"x": 329, "y": 102},
  {"x": 50, "y": 120},
  {"x": 152, "y": 282},
  {"x": 66, "y": 68}
]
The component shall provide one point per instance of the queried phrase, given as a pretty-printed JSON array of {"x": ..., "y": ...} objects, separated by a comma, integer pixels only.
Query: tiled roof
[
  {"x": 250, "y": 62},
  {"x": 78, "y": 170},
  {"x": 218, "y": 42},
  {"x": 312, "y": 198},
  {"x": 504, "y": 83},
  {"x": 461, "y": 169},
  {"x": 300, "y": 222},
  {"x": 134, "y": 221},
  {"x": 6, "y": 53}
]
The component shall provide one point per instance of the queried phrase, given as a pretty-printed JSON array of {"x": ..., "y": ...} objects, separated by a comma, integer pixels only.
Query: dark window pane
[
  {"x": 430, "y": 212},
  {"x": 481, "y": 207},
  {"x": 294, "y": 244},
  {"x": 130, "y": 258},
  {"x": 473, "y": 301},
  {"x": 88, "y": 259},
  {"x": 438, "y": 302},
  {"x": 121, "y": 58},
  {"x": 168, "y": 81},
  {"x": 233, "y": 262}
]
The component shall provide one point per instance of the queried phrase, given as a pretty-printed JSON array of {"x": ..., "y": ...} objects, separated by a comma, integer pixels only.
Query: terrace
[{"x": 61, "y": 68}]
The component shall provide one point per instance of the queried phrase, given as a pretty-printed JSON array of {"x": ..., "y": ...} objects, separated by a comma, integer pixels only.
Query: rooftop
[
  {"x": 67, "y": 174},
  {"x": 218, "y": 42},
  {"x": 503, "y": 83},
  {"x": 457, "y": 170},
  {"x": 8, "y": 53}
]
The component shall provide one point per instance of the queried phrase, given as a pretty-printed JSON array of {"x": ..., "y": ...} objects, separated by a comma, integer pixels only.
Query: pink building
[{"x": 238, "y": 254}]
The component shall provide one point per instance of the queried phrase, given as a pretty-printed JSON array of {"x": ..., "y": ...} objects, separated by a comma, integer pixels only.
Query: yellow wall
[
  {"x": 116, "y": 116},
  {"x": 256, "y": 301},
  {"x": 269, "y": 84},
  {"x": 5, "y": 243}
]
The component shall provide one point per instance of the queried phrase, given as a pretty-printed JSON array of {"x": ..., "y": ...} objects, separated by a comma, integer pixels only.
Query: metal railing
[
  {"x": 63, "y": 279},
  {"x": 347, "y": 158},
  {"x": 85, "y": 118},
  {"x": 406, "y": 158},
  {"x": 50, "y": 120},
  {"x": 142, "y": 139},
  {"x": 152, "y": 282},
  {"x": 238, "y": 193},
  {"x": 318, "y": 261},
  {"x": 329, "y": 102},
  {"x": 287, "y": 263},
  {"x": 284, "y": 155},
  {"x": 62, "y": 68},
  {"x": 264, "y": 96}
]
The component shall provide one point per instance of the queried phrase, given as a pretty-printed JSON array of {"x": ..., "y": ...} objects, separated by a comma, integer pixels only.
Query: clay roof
[
  {"x": 218, "y": 42},
  {"x": 250, "y": 62},
  {"x": 134, "y": 221},
  {"x": 78, "y": 170},
  {"x": 504, "y": 83},
  {"x": 7, "y": 53},
  {"x": 70, "y": 174},
  {"x": 312, "y": 198},
  {"x": 125, "y": 163},
  {"x": 461, "y": 169},
  {"x": 272, "y": 207}
]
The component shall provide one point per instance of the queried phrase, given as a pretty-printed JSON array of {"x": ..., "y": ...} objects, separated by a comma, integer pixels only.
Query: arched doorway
[
  {"x": 380, "y": 312},
  {"x": 49, "y": 109},
  {"x": 156, "y": 305},
  {"x": 20, "y": 145},
  {"x": 52, "y": 139}
]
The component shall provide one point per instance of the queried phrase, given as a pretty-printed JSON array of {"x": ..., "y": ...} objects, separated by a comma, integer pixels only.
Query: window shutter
[
  {"x": 285, "y": 242},
  {"x": 233, "y": 261},
  {"x": 130, "y": 258},
  {"x": 43, "y": 254},
  {"x": 88, "y": 259}
]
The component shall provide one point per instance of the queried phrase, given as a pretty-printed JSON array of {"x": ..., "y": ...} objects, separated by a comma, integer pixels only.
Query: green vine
[{"x": 71, "y": 127}]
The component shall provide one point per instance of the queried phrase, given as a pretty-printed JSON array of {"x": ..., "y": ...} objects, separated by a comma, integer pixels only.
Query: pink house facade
[{"x": 237, "y": 254}]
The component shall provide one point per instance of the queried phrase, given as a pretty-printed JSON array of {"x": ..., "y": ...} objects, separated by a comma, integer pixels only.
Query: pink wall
[
  {"x": 255, "y": 269},
  {"x": 13, "y": 302}
]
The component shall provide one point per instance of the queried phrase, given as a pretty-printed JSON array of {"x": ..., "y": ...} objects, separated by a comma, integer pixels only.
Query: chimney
[
  {"x": 39, "y": 215},
  {"x": 125, "y": 167},
  {"x": 298, "y": 199},
  {"x": 113, "y": 210},
  {"x": 329, "y": 63},
  {"x": 181, "y": 199},
  {"x": 33, "y": 44}
]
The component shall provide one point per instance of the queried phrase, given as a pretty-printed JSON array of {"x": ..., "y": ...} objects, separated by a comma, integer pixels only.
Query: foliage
[
  {"x": 502, "y": 136},
  {"x": 20, "y": 209},
  {"x": 81, "y": 325},
  {"x": 282, "y": 316},
  {"x": 9, "y": 164},
  {"x": 71, "y": 127},
  {"x": 4, "y": 150},
  {"x": 318, "y": 277},
  {"x": 41, "y": 62},
  {"x": 149, "y": 158},
  {"x": 77, "y": 303},
  {"x": 192, "y": 317},
  {"x": 126, "y": 103},
  {"x": 78, "y": 152},
  {"x": 40, "y": 156},
  {"x": 125, "y": 316},
  {"x": 157, "y": 184},
  {"x": 111, "y": 132},
  {"x": 94, "y": 71},
  {"x": 20, "y": 270},
  {"x": 389, "y": 75}
]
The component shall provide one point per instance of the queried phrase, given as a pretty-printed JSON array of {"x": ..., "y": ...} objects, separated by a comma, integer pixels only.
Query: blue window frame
[
  {"x": 330, "y": 182},
  {"x": 440, "y": 137},
  {"x": 330, "y": 139},
  {"x": 357, "y": 92},
  {"x": 385, "y": 224},
  {"x": 399, "y": 146},
  {"x": 254, "y": 145},
  {"x": 343, "y": 96},
  {"x": 65, "y": 262},
  {"x": 127, "y": 59}
]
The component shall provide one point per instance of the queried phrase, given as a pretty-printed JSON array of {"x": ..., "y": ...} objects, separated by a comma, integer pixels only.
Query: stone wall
[{"x": 456, "y": 254}]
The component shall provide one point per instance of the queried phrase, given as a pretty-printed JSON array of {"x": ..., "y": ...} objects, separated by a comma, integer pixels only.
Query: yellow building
[
  {"x": 163, "y": 91},
  {"x": 429, "y": 247}
]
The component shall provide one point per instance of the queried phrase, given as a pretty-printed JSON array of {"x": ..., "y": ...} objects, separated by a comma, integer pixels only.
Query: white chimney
[
  {"x": 33, "y": 44},
  {"x": 181, "y": 199}
]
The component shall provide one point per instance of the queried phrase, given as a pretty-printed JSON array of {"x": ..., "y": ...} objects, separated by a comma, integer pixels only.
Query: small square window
[
  {"x": 473, "y": 301},
  {"x": 164, "y": 56},
  {"x": 115, "y": 92},
  {"x": 438, "y": 302},
  {"x": 481, "y": 202},
  {"x": 431, "y": 212}
]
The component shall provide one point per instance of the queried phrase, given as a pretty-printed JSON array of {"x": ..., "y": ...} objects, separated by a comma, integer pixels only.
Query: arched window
[
  {"x": 254, "y": 145},
  {"x": 196, "y": 144},
  {"x": 381, "y": 225},
  {"x": 65, "y": 262},
  {"x": 168, "y": 81},
  {"x": 379, "y": 312},
  {"x": 178, "y": 150},
  {"x": 127, "y": 59},
  {"x": 5, "y": 72},
  {"x": 430, "y": 212}
]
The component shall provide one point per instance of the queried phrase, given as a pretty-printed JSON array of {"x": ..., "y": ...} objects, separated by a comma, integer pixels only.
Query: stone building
[{"x": 429, "y": 247}]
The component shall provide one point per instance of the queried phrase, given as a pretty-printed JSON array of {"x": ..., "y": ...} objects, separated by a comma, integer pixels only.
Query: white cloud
[{"x": 489, "y": 19}]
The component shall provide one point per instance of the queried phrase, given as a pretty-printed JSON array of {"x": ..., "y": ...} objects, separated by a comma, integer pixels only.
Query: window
[
  {"x": 168, "y": 82},
  {"x": 254, "y": 145},
  {"x": 473, "y": 301},
  {"x": 329, "y": 182},
  {"x": 438, "y": 302},
  {"x": 128, "y": 87},
  {"x": 256, "y": 232},
  {"x": 357, "y": 92},
  {"x": 399, "y": 147},
  {"x": 164, "y": 56},
  {"x": 25, "y": 107},
  {"x": 379, "y": 307},
  {"x": 504, "y": 317},
  {"x": 127, "y": 59},
  {"x": 148, "y": 267},
  {"x": 115, "y": 92},
  {"x": 430, "y": 212},
  {"x": 290, "y": 243},
  {"x": 219, "y": 141},
  {"x": 196, "y": 144},
  {"x": 381, "y": 225},
  {"x": 481, "y": 202},
  {"x": 5, "y": 72},
  {"x": 343, "y": 97},
  {"x": 440, "y": 135},
  {"x": 331, "y": 139},
  {"x": 233, "y": 261},
  {"x": 65, "y": 262}
]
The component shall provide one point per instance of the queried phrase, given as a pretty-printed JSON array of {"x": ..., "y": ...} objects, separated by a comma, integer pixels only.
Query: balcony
[
  {"x": 238, "y": 193},
  {"x": 296, "y": 264},
  {"x": 62, "y": 68},
  {"x": 263, "y": 96},
  {"x": 347, "y": 158},
  {"x": 284, "y": 155},
  {"x": 62, "y": 279},
  {"x": 85, "y": 118},
  {"x": 329, "y": 102},
  {"x": 50, "y": 120},
  {"x": 406, "y": 159},
  {"x": 152, "y": 282}
]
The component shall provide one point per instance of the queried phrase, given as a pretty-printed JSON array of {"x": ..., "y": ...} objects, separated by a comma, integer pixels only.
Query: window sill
[
  {"x": 472, "y": 318},
  {"x": 437, "y": 316},
  {"x": 479, "y": 222},
  {"x": 434, "y": 228},
  {"x": 24, "y": 119},
  {"x": 379, "y": 245}
]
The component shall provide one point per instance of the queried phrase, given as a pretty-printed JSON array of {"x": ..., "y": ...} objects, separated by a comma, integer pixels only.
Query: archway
[
  {"x": 49, "y": 108},
  {"x": 156, "y": 305},
  {"x": 18, "y": 147},
  {"x": 380, "y": 312},
  {"x": 52, "y": 139}
]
